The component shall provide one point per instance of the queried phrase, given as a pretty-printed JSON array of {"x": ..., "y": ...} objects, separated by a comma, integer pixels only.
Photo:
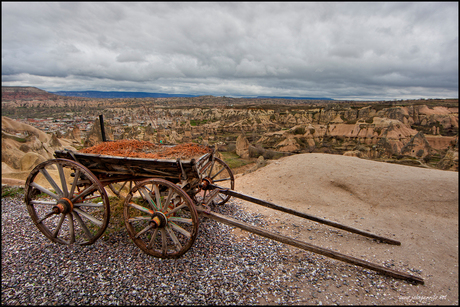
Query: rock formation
[
  {"x": 374, "y": 130},
  {"x": 94, "y": 136},
  {"x": 24, "y": 147},
  {"x": 242, "y": 147}
]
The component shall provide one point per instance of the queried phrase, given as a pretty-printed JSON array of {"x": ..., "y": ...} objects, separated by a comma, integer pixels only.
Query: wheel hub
[
  {"x": 205, "y": 182},
  {"x": 64, "y": 205},
  {"x": 159, "y": 220}
]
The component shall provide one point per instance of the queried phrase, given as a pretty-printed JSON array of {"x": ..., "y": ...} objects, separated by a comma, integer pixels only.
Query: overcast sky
[{"x": 389, "y": 50}]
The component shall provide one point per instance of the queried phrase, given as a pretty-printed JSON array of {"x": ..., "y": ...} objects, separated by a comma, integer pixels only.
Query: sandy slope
[{"x": 418, "y": 207}]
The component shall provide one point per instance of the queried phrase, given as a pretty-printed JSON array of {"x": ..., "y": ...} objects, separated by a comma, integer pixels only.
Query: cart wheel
[
  {"x": 221, "y": 175},
  {"x": 162, "y": 221},
  {"x": 67, "y": 202}
]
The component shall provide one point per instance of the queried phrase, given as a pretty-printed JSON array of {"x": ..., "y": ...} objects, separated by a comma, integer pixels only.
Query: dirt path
[{"x": 416, "y": 206}]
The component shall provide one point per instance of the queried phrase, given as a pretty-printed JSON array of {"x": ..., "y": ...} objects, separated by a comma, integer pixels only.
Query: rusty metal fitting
[
  {"x": 156, "y": 220},
  {"x": 64, "y": 205},
  {"x": 159, "y": 220},
  {"x": 205, "y": 182}
]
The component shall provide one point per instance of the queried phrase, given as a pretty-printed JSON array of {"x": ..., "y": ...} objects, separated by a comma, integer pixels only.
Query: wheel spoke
[
  {"x": 58, "y": 227},
  {"x": 85, "y": 192},
  {"x": 224, "y": 179},
  {"x": 83, "y": 225},
  {"x": 181, "y": 230},
  {"x": 98, "y": 205},
  {"x": 165, "y": 205},
  {"x": 174, "y": 238},
  {"x": 51, "y": 181},
  {"x": 210, "y": 169},
  {"x": 139, "y": 218},
  {"x": 217, "y": 173},
  {"x": 48, "y": 215},
  {"x": 44, "y": 190},
  {"x": 146, "y": 196},
  {"x": 152, "y": 240},
  {"x": 71, "y": 228},
  {"x": 157, "y": 196},
  {"x": 123, "y": 185},
  {"x": 164, "y": 245},
  {"x": 176, "y": 209},
  {"x": 181, "y": 219},
  {"x": 63, "y": 181},
  {"x": 140, "y": 208},
  {"x": 43, "y": 202},
  {"x": 143, "y": 231},
  {"x": 89, "y": 217},
  {"x": 204, "y": 195},
  {"x": 74, "y": 183}
]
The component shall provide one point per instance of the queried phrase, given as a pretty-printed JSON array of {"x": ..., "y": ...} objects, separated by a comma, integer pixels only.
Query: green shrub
[
  {"x": 231, "y": 148},
  {"x": 255, "y": 152},
  {"x": 233, "y": 160},
  {"x": 11, "y": 191},
  {"x": 299, "y": 130},
  {"x": 269, "y": 154}
]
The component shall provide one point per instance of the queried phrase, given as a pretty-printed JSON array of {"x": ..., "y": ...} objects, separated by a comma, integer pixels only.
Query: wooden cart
[{"x": 67, "y": 200}]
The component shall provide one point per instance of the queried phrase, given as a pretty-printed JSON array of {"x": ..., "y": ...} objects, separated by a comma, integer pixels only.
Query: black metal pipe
[{"x": 101, "y": 121}]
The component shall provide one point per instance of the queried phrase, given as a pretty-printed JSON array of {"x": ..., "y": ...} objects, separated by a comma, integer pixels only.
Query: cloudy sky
[{"x": 388, "y": 50}]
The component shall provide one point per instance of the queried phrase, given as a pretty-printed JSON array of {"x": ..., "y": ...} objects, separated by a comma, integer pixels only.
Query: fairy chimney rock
[{"x": 242, "y": 147}]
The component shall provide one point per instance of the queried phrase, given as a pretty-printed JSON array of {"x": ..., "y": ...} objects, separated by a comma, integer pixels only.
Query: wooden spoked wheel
[
  {"x": 220, "y": 174},
  {"x": 67, "y": 202},
  {"x": 162, "y": 221}
]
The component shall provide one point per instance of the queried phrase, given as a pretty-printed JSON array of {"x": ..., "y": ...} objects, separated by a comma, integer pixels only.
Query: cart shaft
[
  {"x": 301, "y": 214},
  {"x": 309, "y": 247}
]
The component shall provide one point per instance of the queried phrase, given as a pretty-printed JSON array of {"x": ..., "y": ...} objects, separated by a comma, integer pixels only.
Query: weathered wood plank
[
  {"x": 132, "y": 166},
  {"x": 304, "y": 215},
  {"x": 309, "y": 247}
]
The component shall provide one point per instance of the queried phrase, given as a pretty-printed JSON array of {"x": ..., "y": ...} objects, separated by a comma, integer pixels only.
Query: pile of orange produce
[{"x": 148, "y": 150}]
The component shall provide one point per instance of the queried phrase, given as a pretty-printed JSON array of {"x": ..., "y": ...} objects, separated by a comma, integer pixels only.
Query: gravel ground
[{"x": 223, "y": 267}]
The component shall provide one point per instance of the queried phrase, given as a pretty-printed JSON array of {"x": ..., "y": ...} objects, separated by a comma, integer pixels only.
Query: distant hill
[
  {"x": 115, "y": 94},
  {"x": 28, "y": 92},
  {"x": 25, "y": 92},
  {"x": 103, "y": 94},
  {"x": 299, "y": 98}
]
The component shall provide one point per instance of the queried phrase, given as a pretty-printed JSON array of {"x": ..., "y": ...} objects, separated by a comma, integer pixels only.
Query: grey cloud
[
  {"x": 234, "y": 48},
  {"x": 130, "y": 56}
]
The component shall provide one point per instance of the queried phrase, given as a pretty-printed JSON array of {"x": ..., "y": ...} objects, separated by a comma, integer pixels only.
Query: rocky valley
[{"x": 412, "y": 132}]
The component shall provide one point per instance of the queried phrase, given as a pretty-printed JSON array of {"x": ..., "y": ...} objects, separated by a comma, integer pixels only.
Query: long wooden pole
[
  {"x": 301, "y": 214},
  {"x": 101, "y": 122},
  {"x": 309, "y": 247}
]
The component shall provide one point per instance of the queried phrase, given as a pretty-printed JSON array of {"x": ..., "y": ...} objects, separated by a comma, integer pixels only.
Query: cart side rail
[{"x": 105, "y": 165}]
